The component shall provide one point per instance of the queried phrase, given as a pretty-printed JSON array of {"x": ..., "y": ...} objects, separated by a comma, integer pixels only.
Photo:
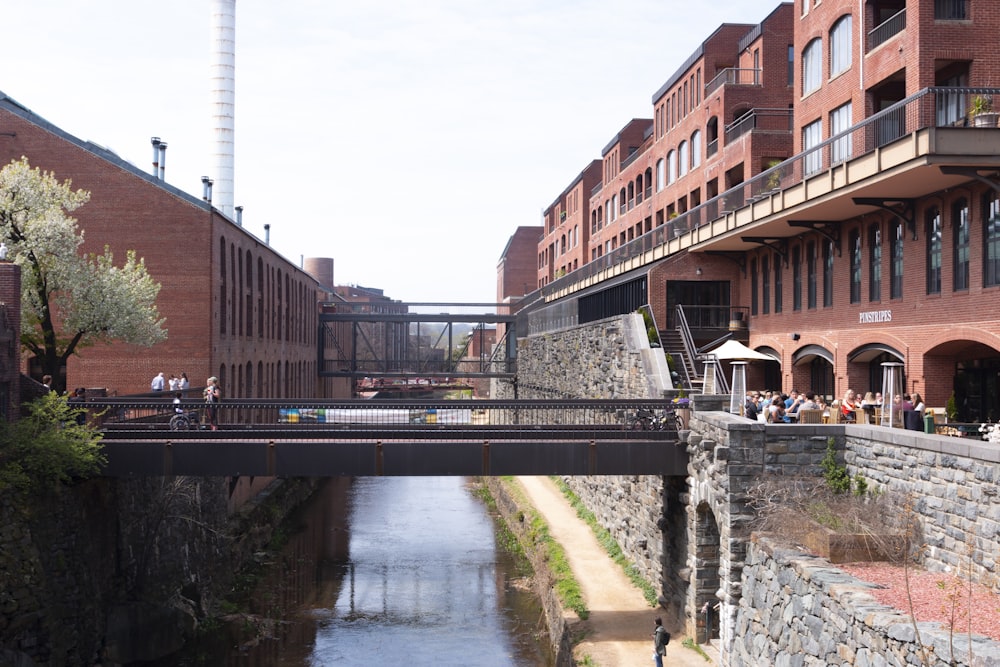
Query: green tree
[
  {"x": 69, "y": 300},
  {"x": 47, "y": 446}
]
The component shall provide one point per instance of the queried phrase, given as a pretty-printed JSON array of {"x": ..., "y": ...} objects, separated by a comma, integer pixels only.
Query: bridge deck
[{"x": 372, "y": 438}]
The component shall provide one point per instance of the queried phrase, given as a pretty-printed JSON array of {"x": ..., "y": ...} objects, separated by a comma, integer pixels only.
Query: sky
[{"x": 406, "y": 140}]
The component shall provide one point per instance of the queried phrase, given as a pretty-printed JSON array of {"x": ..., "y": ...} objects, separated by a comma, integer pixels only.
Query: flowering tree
[{"x": 69, "y": 300}]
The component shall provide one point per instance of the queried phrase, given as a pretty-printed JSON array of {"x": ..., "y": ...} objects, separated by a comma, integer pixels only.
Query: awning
[
  {"x": 866, "y": 353},
  {"x": 809, "y": 352}
]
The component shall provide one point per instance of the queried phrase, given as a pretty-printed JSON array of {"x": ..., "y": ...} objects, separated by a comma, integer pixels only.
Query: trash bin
[{"x": 929, "y": 423}]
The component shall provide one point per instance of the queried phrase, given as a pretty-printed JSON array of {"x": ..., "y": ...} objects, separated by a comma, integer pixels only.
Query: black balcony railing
[
  {"x": 931, "y": 107},
  {"x": 887, "y": 29}
]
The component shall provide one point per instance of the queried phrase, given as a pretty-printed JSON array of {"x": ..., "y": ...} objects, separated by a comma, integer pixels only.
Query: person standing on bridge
[
  {"x": 660, "y": 640},
  {"x": 212, "y": 397}
]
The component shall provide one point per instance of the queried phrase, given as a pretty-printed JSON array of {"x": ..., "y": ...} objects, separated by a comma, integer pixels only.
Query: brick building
[
  {"x": 820, "y": 184},
  {"x": 234, "y": 308}
]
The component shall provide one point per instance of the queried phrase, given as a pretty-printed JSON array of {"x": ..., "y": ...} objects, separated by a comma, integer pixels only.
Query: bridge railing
[{"x": 567, "y": 416}]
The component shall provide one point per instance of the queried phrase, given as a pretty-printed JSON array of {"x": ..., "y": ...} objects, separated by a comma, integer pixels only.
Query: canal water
[{"x": 388, "y": 571}]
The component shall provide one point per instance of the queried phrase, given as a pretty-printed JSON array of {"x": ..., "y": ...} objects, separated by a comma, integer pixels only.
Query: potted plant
[{"x": 981, "y": 111}]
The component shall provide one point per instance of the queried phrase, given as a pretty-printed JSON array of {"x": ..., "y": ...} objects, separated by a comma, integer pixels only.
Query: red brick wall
[{"x": 181, "y": 241}]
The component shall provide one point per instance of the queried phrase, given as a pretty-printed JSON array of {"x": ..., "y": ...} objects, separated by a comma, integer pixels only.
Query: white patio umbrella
[{"x": 733, "y": 350}]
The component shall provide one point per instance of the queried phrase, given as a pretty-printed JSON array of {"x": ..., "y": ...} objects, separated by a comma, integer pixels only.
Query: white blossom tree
[{"x": 69, "y": 300}]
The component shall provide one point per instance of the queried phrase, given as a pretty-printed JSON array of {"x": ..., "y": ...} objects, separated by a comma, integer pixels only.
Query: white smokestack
[{"x": 224, "y": 99}]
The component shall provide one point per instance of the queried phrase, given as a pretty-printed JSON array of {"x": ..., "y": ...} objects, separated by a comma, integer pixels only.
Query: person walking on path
[{"x": 660, "y": 640}]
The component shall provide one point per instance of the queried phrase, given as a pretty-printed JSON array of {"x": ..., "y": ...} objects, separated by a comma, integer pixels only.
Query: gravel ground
[{"x": 934, "y": 595}]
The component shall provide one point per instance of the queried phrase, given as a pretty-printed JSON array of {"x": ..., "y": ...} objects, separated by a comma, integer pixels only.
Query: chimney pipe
[
  {"x": 267, "y": 235},
  {"x": 156, "y": 156},
  {"x": 239, "y": 216},
  {"x": 163, "y": 160},
  {"x": 223, "y": 76},
  {"x": 206, "y": 189}
]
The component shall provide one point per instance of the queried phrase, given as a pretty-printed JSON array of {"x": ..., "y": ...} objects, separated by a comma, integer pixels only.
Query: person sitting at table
[
  {"x": 906, "y": 403},
  {"x": 792, "y": 407},
  {"x": 776, "y": 411},
  {"x": 848, "y": 406},
  {"x": 810, "y": 402},
  {"x": 868, "y": 400}
]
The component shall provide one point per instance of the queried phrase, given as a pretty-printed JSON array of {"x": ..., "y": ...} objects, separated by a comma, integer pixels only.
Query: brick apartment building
[
  {"x": 821, "y": 184},
  {"x": 234, "y": 308}
]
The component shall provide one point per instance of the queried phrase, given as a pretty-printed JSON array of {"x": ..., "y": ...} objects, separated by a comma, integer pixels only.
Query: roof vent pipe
[
  {"x": 206, "y": 188},
  {"x": 163, "y": 160},
  {"x": 239, "y": 215},
  {"x": 267, "y": 235},
  {"x": 156, "y": 156}
]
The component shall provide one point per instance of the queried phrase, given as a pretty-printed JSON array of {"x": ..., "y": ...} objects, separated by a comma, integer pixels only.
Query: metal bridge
[
  {"x": 386, "y": 339},
  {"x": 389, "y": 437}
]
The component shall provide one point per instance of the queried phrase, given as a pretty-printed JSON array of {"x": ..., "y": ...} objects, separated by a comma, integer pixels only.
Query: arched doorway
[
  {"x": 819, "y": 361},
  {"x": 707, "y": 583}
]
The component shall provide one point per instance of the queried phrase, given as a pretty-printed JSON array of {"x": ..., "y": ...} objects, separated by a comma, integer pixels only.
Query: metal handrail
[{"x": 689, "y": 362}]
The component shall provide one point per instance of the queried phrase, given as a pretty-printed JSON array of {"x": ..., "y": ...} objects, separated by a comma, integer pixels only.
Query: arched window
[
  {"x": 683, "y": 160},
  {"x": 661, "y": 174},
  {"x": 222, "y": 285},
  {"x": 840, "y": 46},
  {"x": 991, "y": 240},
  {"x": 855, "y": 248},
  {"x": 671, "y": 167},
  {"x": 875, "y": 262},
  {"x": 696, "y": 149},
  {"x": 932, "y": 222},
  {"x": 812, "y": 66},
  {"x": 960, "y": 244}
]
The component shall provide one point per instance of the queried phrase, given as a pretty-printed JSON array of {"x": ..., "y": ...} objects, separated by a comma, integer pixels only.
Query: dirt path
[{"x": 620, "y": 627}]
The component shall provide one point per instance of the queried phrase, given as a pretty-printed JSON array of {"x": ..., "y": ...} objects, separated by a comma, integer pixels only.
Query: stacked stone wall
[
  {"x": 88, "y": 571},
  {"x": 797, "y": 609},
  {"x": 603, "y": 359}
]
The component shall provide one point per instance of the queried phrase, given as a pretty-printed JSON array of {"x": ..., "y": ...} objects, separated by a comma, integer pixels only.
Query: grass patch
[
  {"x": 537, "y": 531},
  {"x": 689, "y": 643},
  {"x": 607, "y": 541}
]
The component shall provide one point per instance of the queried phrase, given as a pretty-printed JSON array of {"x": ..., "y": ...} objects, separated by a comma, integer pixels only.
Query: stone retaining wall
[
  {"x": 555, "y": 616},
  {"x": 798, "y": 609},
  {"x": 91, "y": 572},
  {"x": 610, "y": 358}
]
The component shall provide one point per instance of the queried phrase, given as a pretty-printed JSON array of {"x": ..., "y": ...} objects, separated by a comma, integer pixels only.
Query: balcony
[
  {"x": 887, "y": 29},
  {"x": 734, "y": 76},
  {"x": 771, "y": 120},
  {"x": 895, "y": 152}
]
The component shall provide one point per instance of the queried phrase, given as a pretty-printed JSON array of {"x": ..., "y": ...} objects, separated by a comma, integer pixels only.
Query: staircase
[{"x": 690, "y": 375}]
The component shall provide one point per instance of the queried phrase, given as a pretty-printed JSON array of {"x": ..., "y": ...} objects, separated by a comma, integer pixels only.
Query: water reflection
[{"x": 391, "y": 571}]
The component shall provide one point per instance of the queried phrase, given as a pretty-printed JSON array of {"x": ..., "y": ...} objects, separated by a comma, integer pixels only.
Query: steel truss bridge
[
  {"x": 387, "y": 438},
  {"x": 384, "y": 339}
]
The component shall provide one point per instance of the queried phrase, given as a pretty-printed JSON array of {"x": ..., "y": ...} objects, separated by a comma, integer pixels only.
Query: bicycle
[{"x": 645, "y": 419}]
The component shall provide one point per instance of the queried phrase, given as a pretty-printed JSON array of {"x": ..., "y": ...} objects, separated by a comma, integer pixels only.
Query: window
[
  {"x": 840, "y": 121},
  {"x": 991, "y": 239},
  {"x": 661, "y": 174},
  {"x": 753, "y": 286},
  {"x": 778, "y": 285},
  {"x": 960, "y": 244},
  {"x": 855, "y": 245},
  {"x": 896, "y": 261},
  {"x": 791, "y": 65},
  {"x": 812, "y": 66},
  {"x": 840, "y": 46},
  {"x": 797, "y": 278},
  {"x": 933, "y": 235},
  {"x": 828, "y": 274},
  {"x": 875, "y": 262},
  {"x": 682, "y": 159},
  {"x": 811, "y": 273},
  {"x": 696, "y": 149},
  {"x": 765, "y": 275},
  {"x": 812, "y": 135},
  {"x": 671, "y": 167}
]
